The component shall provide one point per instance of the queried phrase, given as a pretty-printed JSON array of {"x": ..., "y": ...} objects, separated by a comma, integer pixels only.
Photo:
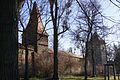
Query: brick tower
[
  {"x": 36, "y": 36},
  {"x": 97, "y": 48}
]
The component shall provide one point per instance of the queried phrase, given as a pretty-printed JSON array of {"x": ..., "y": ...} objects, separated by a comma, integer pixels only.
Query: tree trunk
[
  {"x": 33, "y": 63},
  {"x": 8, "y": 40},
  {"x": 55, "y": 74},
  {"x": 26, "y": 59},
  {"x": 26, "y": 77},
  {"x": 93, "y": 64},
  {"x": 85, "y": 66},
  {"x": 86, "y": 54},
  {"x": 55, "y": 27},
  {"x": 93, "y": 60}
]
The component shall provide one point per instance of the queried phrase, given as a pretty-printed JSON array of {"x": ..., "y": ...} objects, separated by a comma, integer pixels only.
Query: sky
[
  {"x": 108, "y": 10},
  {"x": 112, "y": 11}
]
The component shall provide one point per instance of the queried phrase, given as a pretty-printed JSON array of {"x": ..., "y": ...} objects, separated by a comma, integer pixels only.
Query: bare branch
[
  {"x": 63, "y": 31},
  {"x": 118, "y": 1},
  {"x": 80, "y": 5},
  {"x": 115, "y": 3},
  {"x": 110, "y": 19}
]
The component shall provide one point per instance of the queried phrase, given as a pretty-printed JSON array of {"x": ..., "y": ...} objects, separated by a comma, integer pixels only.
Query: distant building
[
  {"x": 97, "y": 48},
  {"x": 35, "y": 33},
  {"x": 36, "y": 39},
  {"x": 40, "y": 57}
]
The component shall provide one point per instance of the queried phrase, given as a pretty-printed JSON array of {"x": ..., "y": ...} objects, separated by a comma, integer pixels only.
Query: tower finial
[{"x": 35, "y": 4}]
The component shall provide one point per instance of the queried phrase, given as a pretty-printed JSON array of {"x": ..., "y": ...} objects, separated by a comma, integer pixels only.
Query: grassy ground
[
  {"x": 82, "y": 78},
  {"x": 78, "y": 78}
]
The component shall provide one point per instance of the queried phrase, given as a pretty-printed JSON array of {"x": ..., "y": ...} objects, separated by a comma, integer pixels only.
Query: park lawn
[
  {"x": 89, "y": 78},
  {"x": 78, "y": 78},
  {"x": 82, "y": 78}
]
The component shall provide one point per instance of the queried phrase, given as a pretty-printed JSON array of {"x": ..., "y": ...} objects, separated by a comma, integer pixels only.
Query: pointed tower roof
[
  {"x": 35, "y": 26},
  {"x": 96, "y": 38},
  {"x": 95, "y": 35},
  {"x": 36, "y": 21},
  {"x": 40, "y": 27}
]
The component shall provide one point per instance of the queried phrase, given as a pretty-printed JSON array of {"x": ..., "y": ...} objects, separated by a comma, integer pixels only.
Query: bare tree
[
  {"x": 56, "y": 19},
  {"x": 29, "y": 12},
  {"x": 57, "y": 11},
  {"x": 116, "y": 54},
  {"x": 89, "y": 21}
]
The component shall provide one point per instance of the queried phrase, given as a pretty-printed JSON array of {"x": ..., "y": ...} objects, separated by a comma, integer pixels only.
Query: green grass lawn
[
  {"x": 89, "y": 78},
  {"x": 78, "y": 78},
  {"x": 82, "y": 78}
]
